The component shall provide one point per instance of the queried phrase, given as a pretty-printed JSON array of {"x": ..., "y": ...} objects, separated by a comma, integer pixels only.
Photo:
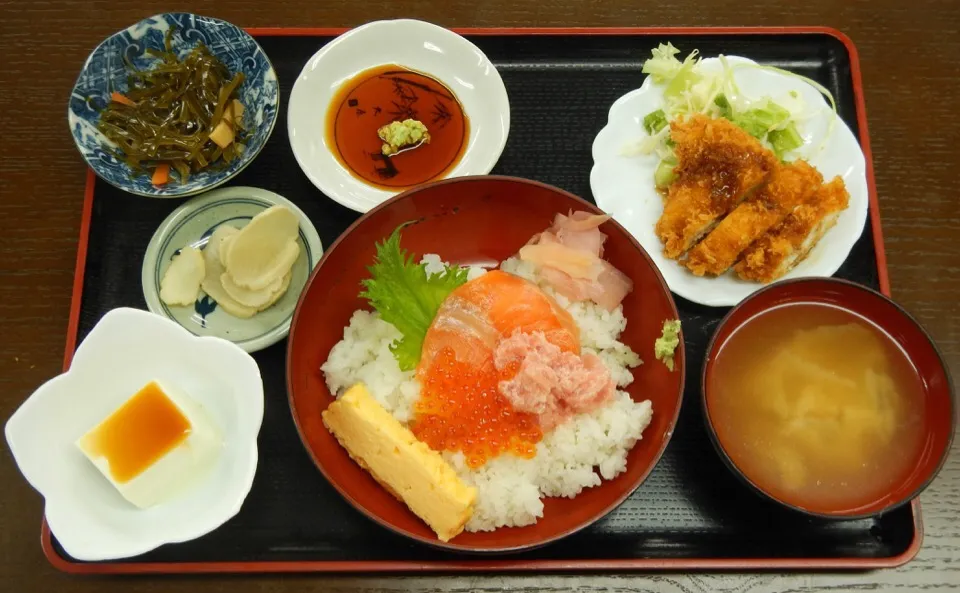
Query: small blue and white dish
[
  {"x": 192, "y": 224},
  {"x": 105, "y": 71}
]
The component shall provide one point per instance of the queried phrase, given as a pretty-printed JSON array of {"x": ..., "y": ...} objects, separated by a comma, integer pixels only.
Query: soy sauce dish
[
  {"x": 828, "y": 398},
  {"x": 392, "y": 105}
]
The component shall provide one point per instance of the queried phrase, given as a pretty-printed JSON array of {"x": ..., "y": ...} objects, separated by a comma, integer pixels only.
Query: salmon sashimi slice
[
  {"x": 780, "y": 250},
  {"x": 477, "y": 315},
  {"x": 719, "y": 165},
  {"x": 790, "y": 186}
]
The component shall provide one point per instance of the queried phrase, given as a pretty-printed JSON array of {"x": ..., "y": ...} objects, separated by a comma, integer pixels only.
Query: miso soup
[{"x": 817, "y": 406}]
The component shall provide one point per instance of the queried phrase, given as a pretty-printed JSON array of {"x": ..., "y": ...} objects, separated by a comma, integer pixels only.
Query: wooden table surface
[{"x": 909, "y": 55}]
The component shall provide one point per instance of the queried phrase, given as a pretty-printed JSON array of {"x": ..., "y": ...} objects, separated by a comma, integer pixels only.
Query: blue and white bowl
[{"x": 105, "y": 71}]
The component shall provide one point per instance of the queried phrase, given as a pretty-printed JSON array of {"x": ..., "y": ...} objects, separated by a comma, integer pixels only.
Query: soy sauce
[{"x": 388, "y": 93}]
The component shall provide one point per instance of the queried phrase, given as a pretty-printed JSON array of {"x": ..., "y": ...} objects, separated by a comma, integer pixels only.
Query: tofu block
[{"x": 155, "y": 445}]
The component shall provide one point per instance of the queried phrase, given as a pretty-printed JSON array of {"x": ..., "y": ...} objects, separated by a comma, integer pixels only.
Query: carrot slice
[
  {"x": 161, "y": 174},
  {"x": 119, "y": 98}
]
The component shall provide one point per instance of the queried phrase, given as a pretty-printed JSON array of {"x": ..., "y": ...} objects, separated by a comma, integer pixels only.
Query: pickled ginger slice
[{"x": 569, "y": 259}]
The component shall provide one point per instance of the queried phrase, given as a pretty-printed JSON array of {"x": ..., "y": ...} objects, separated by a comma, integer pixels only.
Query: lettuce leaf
[
  {"x": 723, "y": 105},
  {"x": 654, "y": 121},
  {"x": 665, "y": 173},
  {"x": 686, "y": 78},
  {"x": 406, "y": 296},
  {"x": 664, "y": 64},
  {"x": 785, "y": 140},
  {"x": 664, "y": 67},
  {"x": 759, "y": 121}
]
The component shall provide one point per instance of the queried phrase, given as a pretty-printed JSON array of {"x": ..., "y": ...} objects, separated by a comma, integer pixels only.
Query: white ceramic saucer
[
  {"x": 192, "y": 224},
  {"x": 416, "y": 45},
  {"x": 623, "y": 186},
  {"x": 124, "y": 351}
]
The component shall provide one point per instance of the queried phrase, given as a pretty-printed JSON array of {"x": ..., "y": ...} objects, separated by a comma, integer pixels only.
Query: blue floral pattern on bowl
[
  {"x": 192, "y": 223},
  {"x": 106, "y": 71}
]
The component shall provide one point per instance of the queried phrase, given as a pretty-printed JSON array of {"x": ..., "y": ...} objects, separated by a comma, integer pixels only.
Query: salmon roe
[{"x": 461, "y": 409}]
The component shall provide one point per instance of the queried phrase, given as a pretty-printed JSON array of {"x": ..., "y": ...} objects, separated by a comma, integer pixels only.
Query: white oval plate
[
  {"x": 417, "y": 45},
  {"x": 125, "y": 350},
  {"x": 192, "y": 224},
  {"x": 623, "y": 185}
]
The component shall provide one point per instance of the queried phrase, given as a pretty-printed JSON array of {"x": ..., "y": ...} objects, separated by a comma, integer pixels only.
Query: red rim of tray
[{"x": 512, "y": 565}]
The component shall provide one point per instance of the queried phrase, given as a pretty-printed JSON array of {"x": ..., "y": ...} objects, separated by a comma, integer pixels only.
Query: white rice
[{"x": 577, "y": 454}]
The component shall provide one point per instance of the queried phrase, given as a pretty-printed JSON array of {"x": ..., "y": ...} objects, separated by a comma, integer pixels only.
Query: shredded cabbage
[
  {"x": 793, "y": 95},
  {"x": 664, "y": 64},
  {"x": 688, "y": 90}
]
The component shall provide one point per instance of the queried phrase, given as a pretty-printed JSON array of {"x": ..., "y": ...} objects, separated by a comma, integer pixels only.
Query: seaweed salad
[{"x": 180, "y": 114}]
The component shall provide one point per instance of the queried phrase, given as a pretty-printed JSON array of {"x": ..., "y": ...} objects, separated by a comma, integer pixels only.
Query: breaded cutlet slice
[
  {"x": 777, "y": 252},
  {"x": 789, "y": 186},
  {"x": 718, "y": 166}
]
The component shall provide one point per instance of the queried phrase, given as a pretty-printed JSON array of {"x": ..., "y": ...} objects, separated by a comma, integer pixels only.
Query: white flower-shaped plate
[
  {"x": 623, "y": 186},
  {"x": 124, "y": 351},
  {"x": 417, "y": 45}
]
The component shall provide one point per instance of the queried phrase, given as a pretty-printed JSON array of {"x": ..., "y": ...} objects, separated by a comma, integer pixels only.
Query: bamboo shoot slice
[
  {"x": 247, "y": 297},
  {"x": 264, "y": 250},
  {"x": 214, "y": 269},
  {"x": 180, "y": 284}
]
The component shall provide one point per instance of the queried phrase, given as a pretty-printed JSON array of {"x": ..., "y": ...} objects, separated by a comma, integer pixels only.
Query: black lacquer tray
[{"x": 690, "y": 514}]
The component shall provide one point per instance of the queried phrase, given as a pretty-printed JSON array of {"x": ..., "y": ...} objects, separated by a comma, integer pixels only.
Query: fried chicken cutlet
[
  {"x": 790, "y": 185},
  {"x": 719, "y": 164},
  {"x": 777, "y": 252}
]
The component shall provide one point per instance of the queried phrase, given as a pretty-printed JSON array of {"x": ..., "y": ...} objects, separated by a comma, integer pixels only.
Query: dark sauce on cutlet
[{"x": 720, "y": 167}]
